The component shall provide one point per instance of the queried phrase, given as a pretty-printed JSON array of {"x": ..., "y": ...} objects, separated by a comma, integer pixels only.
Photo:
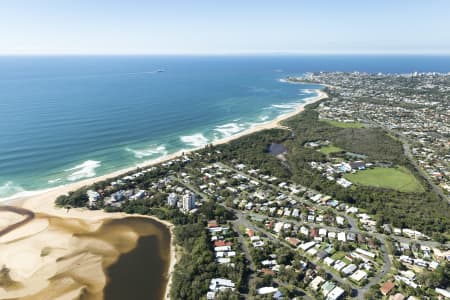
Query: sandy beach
[{"x": 38, "y": 231}]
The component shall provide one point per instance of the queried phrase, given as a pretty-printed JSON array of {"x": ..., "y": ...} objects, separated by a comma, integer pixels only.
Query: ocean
[{"x": 67, "y": 118}]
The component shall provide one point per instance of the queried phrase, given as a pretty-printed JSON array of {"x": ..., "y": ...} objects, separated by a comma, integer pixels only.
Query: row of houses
[
  {"x": 223, "y": 251},
  {"x": 328, "y": 289}
]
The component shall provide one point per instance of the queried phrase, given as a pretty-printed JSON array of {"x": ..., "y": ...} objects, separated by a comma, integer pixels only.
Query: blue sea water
[{"x": 66, "y": 118}]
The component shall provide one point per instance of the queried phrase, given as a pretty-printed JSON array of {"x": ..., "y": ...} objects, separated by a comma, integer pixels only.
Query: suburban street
[{"x": 242, "y": 221}]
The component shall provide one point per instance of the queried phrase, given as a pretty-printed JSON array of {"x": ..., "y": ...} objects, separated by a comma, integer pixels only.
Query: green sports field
[
  {"x": 330, "y": 149},
  {"x": 392, "y": 178}
]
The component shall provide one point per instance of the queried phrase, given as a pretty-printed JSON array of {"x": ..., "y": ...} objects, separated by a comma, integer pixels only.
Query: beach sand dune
[{"x": 51, "y": 257}]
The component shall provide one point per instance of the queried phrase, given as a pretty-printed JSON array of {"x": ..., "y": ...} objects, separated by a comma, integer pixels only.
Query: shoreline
[
  {"x": 65, "y": 188},
  {"x": 43, "y": 202}
]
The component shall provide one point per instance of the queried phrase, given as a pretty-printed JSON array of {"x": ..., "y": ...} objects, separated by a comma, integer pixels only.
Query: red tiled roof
[
  {"x": 249, "y": 232},
  {"x": 222, "y": 243},
  {"x": 293, "y": 241},
  {"x": 212, "y": 224},
  {"x": 267, "y": 271},
  {"x": 387, "y": 287}
]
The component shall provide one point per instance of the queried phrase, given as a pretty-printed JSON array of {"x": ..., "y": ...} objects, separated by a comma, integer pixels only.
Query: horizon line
[{"x": 268, "y": 53}]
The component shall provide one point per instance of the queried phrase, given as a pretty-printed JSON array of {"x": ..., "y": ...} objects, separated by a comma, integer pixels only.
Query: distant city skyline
[{"x": 230, "y": 27}]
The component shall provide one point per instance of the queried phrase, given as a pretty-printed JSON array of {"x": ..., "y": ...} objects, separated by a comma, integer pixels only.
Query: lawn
[
  {"x": 330, "y": 149},
  {"x": 399, "y": 179},
  {"x": 344, "y": 124},
  {"x": 338, "y": 255}
]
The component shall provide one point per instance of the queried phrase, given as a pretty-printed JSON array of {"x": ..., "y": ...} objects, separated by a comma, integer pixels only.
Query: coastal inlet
[{"x": 47, "y": 257}]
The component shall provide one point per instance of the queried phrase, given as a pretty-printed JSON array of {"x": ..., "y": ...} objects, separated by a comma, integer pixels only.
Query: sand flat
[
  {"x": 43, "y": 252},
  {"x": 8, "y": 218}
]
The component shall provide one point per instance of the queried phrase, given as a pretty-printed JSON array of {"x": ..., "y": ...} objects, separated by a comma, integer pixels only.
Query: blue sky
[{"x": 228, "y": 26}]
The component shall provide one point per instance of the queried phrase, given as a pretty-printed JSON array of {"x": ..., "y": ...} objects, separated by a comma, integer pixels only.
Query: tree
[
  {"x": 437, "y": 278},
  {"x": 226, "y": 295}
]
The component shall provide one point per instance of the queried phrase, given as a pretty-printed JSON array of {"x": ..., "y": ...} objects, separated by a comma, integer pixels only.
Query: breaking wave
[
  {"x": 151, "y": 151},
  {"x": 84, "y": 170},
  {"x": 195, "y": 140},
  {"x": 229, "y": 129},
  {"x": 10, "y": 191},
  {"x": 52, "y": 181}
]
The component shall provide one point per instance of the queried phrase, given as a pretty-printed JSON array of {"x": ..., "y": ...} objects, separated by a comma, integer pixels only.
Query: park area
[
  {"x": 330, "y": 149},
  {"x": 399, "y": 179}
]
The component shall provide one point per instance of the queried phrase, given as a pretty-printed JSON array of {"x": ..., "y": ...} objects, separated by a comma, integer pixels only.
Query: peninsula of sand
[{"x": 53, "y": 253}]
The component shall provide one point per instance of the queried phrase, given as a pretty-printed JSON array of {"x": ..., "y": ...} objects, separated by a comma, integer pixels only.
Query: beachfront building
[
  {"x": 188, "y": 201},
  {"x": 172, "y": 200},
  {"x": 118, "y": 196},
  {"x": 139, "y": 195},
  {"x": 93, "y": 197},
  {"x": 219, "y": 284}
]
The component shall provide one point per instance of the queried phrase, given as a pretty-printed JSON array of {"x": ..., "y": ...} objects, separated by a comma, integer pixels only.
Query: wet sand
[{"x": 63, "y": 258}]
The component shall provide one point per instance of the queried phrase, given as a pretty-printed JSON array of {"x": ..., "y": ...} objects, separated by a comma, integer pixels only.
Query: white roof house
[
  {"x": 312, "y": 251},
  {"x": 266, "y": 290},
  {"x": 222, "y": 249},
  {"x": 349, "y": 269},
  {"x": 443, "y": 292},
  {"x": 352, "y": 210},
  {"x": 268, "y": 263},
  {"x": 358, "y": 275},
  {"x": 342, "y": 237},
  {"x": 328, "y": 260},
  {"x": 344, "y": 182},
  {"x": 255, "y": 238},
  {"x": 258, "y": 244},
  {"x": 366, "y": 253},
  {"x": 278, "y": 226},
  {"x": 223, "y": 260},
  {"x": 220, "y": 284},
  {"x": 306, "y": 246},
  {"x": 335, "y": 294},
  {"x": 339, "y": 265},
  {"x": 316, "y": 198},
  {"x": 316, "y": 282},
  {"x": 304, "y": 230}
]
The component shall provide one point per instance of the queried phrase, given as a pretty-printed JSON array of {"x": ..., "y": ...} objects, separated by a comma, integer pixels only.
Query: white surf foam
[
  {"x": 9, "y": 188},
  {"x": 84, "y": 170},
  {"x": 151, "y": 151},
  {"x": 229, "y": 129},
  {"x": 51, "y": 181},
  {"x": 264, "y": 118},
  {"x": 23, "y": 194},
  {"x": 10, "y": 191},
  {"x": 285, "y": 105},
  {"x": 308, "y": 91},
  {"x": 195, "y": 140}
]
